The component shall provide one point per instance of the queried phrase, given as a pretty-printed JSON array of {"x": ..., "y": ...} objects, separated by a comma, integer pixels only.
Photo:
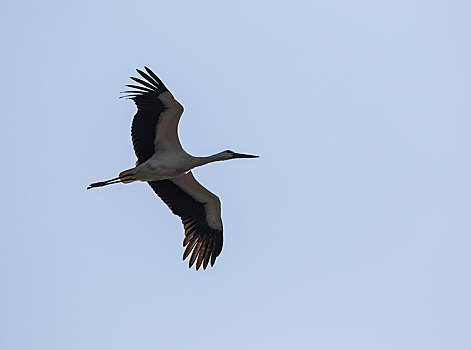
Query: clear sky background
[{"x": 352, "y": 231}]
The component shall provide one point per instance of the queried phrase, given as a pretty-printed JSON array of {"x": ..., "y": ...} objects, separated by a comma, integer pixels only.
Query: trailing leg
[{"x": 124, "y": 177}]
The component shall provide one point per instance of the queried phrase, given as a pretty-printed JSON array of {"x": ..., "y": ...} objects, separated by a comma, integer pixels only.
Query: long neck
[{"x": 199, "y": 161}]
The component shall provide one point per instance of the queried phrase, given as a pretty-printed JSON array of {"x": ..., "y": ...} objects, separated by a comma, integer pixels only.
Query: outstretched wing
[
  {"x": 200, "y": 211},
  {"x": 155, "y": 125}
]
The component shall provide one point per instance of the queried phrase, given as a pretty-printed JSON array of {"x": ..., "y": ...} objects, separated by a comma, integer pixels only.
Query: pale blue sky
[{"x": 352, "y": 231}]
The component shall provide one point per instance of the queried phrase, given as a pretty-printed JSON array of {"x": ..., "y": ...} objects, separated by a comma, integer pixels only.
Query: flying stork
[{"x": 162, "y": 162}]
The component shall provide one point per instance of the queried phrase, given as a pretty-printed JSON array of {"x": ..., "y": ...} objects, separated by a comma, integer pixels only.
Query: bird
[{"x": 167, "y": 168}]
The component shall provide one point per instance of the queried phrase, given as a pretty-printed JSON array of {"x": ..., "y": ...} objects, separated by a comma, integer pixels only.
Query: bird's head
[{"x": 228, "y": 154}]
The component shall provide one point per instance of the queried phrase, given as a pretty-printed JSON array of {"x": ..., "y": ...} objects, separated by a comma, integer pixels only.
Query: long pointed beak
[{"x": 241, "y": 155}]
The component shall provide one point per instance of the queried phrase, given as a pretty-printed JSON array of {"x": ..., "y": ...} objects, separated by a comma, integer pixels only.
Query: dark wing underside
[
  {"x": 149, "y": 110},
  {"x": 204, "y": 241}
]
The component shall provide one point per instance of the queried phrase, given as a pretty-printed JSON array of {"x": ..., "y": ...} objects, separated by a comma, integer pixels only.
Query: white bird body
[
  {"x": 162, "y": 162},
  {"x": 161, "y": 166},
  {"x": 167, "y": 165}
]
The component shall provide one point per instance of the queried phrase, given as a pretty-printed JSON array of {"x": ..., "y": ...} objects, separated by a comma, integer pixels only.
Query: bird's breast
[{"x": 161, "y": 167}]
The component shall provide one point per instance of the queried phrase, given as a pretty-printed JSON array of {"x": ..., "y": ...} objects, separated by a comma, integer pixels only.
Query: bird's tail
[{"x": 125, "y": 177}]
